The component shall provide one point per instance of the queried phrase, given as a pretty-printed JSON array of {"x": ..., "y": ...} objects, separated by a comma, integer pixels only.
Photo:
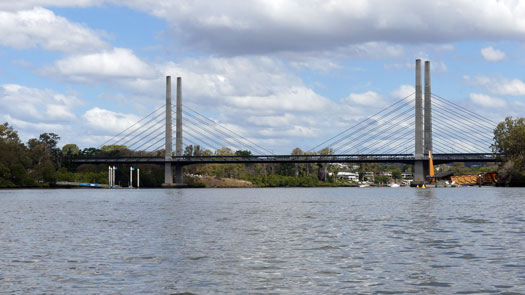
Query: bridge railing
[
  {"x": 357, "y": 158},
  {"x": 466, "y": 157},
  {"x": 251, "y": 159}
]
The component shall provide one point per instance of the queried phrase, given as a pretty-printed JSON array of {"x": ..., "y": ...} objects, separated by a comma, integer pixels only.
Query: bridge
[
  {"x": 279, "y": 159},
  {"x": 403, "y": 132}
]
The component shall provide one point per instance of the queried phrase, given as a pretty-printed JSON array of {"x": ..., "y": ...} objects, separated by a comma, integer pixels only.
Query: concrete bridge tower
[
  {"x": 423, "y": 128},
  {"x": 427, "y": 119},
  {"x": 419, "y": 171},
  {"x": 168, "y": 153},
  {"x": 168, "y": 156},
  {"x": 179, "y": 172}
]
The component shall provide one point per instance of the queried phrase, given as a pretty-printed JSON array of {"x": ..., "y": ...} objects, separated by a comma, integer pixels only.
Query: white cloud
[
  {"x": 500, "y": 86},
  {"x": 325, "y": 61},
  {"x": 435, "y": 65},
  {"x": 262, "y": 27},
  {"x": 273, "y": 121},
  {"x": 297, "y": 99},
  {"x": 369, "y": 98},
  {"x": 257, "y": 26},
  {"x": 108, "y": 121},
  {"x": 40, "y": 27},
  {"x": 321, "y": 65},
  {"x": 403, "y": 91},
  {"x": 295, "y": 131},
  {"x": 25, "y": 4},
  {"x": 36, "y": 105},
  {"x": 119, "y": 63},
  {"x": 371, "y": 50},
  {"x": 492, "y": 54},
  {"x": 513, "y": 87},
  {"x": 27, "y": 129},
  {"x": 487, "y": 101},
  {"x": 34, "y": 111}
]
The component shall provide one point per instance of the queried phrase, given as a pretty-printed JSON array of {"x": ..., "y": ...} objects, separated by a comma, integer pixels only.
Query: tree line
[{"x": 41, "y": 163}]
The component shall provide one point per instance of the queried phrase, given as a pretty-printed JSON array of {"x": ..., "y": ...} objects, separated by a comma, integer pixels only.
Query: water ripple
[{"x": 263, "y": 241}]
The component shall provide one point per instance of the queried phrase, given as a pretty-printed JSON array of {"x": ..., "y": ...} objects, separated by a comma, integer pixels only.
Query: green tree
[
  {"x": 50, "y": 140},
  {"x": 243, "y": 153},
  {"x": 396, "y": 173},
  {"x": 509, "y": 140},
  {"x": 90, "y": 152},
  {"x": 323, "y": 168},
  {"x": 193, "y": 150},
  {"x": 300, "y": 169},
  {"x": 114, "y": 149},
  {"x": 70, "y": 149},
  {"x": 14, "y": 159},
  {"x": 224, "y": 151},
  {"x": 8, "y": 134}
]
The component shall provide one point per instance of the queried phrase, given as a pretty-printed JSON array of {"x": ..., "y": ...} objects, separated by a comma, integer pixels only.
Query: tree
[
  {"x": 243, "y": 153},
  {"x": 188, "y": 150},
  {"x": 8, "y": 134},
  {"x": 70, "y": 149},
  {"x": 50, "y": 140},
  {"x": 90, "y": 152},
  {"x": 326, "y": 151},
  {"x": 396, "y": 173},
  {"x": 14, "y": 159},
  {"x": 297, "y": 152},
  {"x": 224, "y": 151},
  {"x": 45, "y": 157},
  {"x": 509, "y": 140},
  {"x": 68, "y": 152},
  {"x": 112, "y": 147},
  {"x": 324, "y": 172},
  {"x": 299, "y": 168}
]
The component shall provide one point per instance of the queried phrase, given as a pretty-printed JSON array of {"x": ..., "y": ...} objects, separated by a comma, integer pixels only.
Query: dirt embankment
[{"x": 210, "y": 181}]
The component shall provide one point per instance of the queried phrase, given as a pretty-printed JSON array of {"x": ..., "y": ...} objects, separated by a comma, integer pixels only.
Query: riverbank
[{"x": 220, "y": 182}]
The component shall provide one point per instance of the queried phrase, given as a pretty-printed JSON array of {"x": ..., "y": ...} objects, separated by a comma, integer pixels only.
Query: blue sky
[{"x": 282, "y": 73}]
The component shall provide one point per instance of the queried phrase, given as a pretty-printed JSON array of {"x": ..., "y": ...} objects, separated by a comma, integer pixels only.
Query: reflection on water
[{"x": 298, "y": 241}]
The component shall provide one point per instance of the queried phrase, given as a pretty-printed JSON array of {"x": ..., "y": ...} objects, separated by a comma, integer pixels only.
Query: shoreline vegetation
[{"x": 40, "y": 163}]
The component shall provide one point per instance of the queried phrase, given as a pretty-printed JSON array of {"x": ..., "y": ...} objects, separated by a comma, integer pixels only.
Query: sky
[{"x": 284, "y": 74}]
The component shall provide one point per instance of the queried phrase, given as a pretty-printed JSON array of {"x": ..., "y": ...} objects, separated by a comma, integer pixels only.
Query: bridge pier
[
  {"x": 427, "y": 121},
  {"x": 179, "y": 171},
  {"x": 168, "y": 157},
  {"x": 423, "y": 126},
  {"x": 419, "y": 171},
  {"x": 168, "y": 172}
]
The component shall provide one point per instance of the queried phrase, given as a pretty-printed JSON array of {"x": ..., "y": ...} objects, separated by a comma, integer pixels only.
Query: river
[{"x": 263, "y": 241}]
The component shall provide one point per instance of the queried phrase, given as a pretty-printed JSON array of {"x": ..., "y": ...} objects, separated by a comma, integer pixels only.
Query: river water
[{"x": 263, "y": 241}]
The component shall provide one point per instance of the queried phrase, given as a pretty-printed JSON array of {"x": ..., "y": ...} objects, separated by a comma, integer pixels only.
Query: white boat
[{"x": 394, "y": 185}]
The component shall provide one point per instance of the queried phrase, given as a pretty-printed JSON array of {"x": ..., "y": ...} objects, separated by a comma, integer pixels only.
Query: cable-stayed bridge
[{"x": 404, "y": 132}]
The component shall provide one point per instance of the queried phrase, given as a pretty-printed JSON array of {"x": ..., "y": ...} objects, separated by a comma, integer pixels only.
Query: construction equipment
[
  {"x": 473, "y": 179},
  {"x": 431, "y": 167}
]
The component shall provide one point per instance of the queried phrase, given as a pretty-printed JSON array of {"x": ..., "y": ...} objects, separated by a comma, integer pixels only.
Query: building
[
  {"x": 407, "y": 175},
  {"x": 351, "y": 176}
]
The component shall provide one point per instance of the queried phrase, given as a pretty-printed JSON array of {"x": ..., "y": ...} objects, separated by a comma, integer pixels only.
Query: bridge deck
[{"x": 356, "y": 158}]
